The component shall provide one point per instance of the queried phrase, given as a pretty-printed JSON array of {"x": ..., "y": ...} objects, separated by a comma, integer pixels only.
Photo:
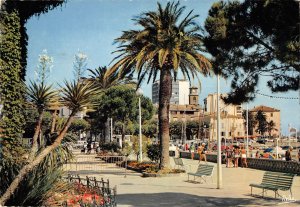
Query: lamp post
[
  {"x": 219, "y": 158},
  {"x": 247, "y": 127},
  {"x": 139, "y": 92}
]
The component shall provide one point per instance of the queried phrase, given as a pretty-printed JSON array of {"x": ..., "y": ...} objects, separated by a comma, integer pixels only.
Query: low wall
[{"x": 255, "y": 163}]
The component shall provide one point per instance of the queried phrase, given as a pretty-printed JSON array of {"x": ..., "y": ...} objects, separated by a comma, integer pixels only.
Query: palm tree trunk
[
  {"x": 37, "y": 130},
  {"x": 165, "y": 91},
  {"x": 123, "y": 133},
  {"x": 54, "y": 115},
  {"x": 37, "y": 160},
  {"x": 106, "y": 132}
]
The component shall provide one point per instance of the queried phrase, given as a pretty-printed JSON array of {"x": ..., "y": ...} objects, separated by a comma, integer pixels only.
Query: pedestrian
[
  {"x": 257, "y": 155},
  {"x": 177, "y": 153},
  {"x": 288, "y": 156},
  {"x": 192, "y": 151},
  {"x": 299, "y": 155},
  {"x": 244, "y": 157},
  {"x": 236, "y": 156},
  {"x": 229, "y": 155},
  {"x": 201, "y": 152},
  {"x": 186, "y": 147}
]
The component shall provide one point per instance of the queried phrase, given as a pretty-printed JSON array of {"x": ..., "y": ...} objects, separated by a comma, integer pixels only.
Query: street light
[
  {"x": 139, "y": 92},
  {"x": 219, "y": 158},
  {"x": 247, "y": 127}
]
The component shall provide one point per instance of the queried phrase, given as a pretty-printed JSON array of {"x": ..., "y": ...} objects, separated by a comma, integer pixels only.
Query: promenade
[{"x": 134, "y": 190}]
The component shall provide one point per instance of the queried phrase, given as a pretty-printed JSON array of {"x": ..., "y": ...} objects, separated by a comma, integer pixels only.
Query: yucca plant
[
  {"x": 40, "y": 96},
  {"x": 165, "y": 44},
  {"x": 76, "y": 96}
]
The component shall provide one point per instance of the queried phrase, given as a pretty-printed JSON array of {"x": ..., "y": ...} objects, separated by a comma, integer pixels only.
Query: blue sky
[{"x": 90, "y": 26}]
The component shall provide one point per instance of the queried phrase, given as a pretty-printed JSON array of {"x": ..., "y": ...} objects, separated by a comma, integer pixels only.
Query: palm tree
[
  {"x": 104, "y": 79},
  {"x": 77, "y": 96},
  {"x": 165, "y": 44},
  {"x": 41, "y": 96},
  {"x": 261, "y": 121},
  {"x": 271, "y": 127}
]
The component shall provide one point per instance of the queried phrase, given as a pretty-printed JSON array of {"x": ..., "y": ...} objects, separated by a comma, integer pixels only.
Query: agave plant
[
  {"x": 40, "y": 96},
  {"x": 76, "y": 96}
]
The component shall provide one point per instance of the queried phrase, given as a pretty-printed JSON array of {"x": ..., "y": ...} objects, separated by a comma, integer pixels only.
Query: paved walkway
[{"x": 135, "y": 191}]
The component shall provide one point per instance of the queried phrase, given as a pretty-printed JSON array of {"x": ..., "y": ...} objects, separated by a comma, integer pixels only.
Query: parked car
[
  {"x": 268, "y": 150},
  {"x": 261, "y": 141}
]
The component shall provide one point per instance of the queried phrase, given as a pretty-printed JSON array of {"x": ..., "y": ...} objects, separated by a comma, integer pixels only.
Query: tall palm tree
[
  {"x": 77, "y": 96},
  {"x": 41, "y": 96},
  {"x": 271, "y": 126},
  {"x": 165, "y": 44},
  {"x": 104, "y": 79}
]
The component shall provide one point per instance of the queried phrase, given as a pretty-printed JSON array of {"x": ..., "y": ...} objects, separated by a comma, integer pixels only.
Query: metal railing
[{"x": 93, "y": 164}]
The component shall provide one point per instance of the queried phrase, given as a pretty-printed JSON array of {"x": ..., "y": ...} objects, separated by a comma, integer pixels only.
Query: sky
[{"x": 90, "y": 26}]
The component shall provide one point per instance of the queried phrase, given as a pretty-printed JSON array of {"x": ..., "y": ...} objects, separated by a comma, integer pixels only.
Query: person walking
[
  {"x": 299, "y": 155},
  {"x": 236, "y": 156},
  {"x": 288, "y": 156},
  {"x": 201, "y": 152},
  {"x": 192, "y": 151},
  {"x": 257, "y": 155},
  {"x": 244, "y": 157},
  {"x": 229, "y": 155}
]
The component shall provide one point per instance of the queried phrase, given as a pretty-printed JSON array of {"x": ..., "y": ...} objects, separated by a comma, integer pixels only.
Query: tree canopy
[{"x": 251, "y": 39}]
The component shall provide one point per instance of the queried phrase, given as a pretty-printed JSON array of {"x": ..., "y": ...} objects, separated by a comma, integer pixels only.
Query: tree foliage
[
  {"x": 251, "y": 39},
  {"x": 25, "y": 10},
  {"x": 11, "y": 87},
  {"x": 261, "y": 122},
  {"x": 121, "y": 104}
]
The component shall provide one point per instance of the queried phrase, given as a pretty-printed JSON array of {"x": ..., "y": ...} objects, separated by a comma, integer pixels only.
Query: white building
[
  {"x": 180, "y": 92},
  {"x": 232, "y": 121}
]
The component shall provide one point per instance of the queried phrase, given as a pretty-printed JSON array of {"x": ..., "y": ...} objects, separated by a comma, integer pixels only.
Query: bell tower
[{"x": 193, "y": 96}]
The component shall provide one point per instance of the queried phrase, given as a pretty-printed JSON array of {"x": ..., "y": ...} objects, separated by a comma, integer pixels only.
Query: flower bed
[
  {"x": 79, "y": 195},
  {"x": 149, "y": 169}
]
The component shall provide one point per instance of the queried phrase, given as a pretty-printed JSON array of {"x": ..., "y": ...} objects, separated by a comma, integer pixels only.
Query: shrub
[
  {"x": 112, "y": 146},
  {"x": 153, "y": 152}
]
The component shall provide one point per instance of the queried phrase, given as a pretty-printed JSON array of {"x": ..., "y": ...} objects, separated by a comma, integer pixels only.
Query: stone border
[{"x": 145, "y": 174}]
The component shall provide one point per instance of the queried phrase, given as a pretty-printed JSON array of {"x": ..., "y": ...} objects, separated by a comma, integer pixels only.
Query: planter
[{"x": 146, "y": 175}]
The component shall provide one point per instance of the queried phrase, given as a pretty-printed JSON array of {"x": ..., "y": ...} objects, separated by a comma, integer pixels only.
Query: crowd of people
[{"x": 233, "y": 154}]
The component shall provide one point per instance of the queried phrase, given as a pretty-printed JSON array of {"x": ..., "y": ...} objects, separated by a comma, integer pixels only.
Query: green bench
[
  {"x": 275, "y": 181},
  {"x": 203, "y": 171},
  {"x": 179, "y": 163}
]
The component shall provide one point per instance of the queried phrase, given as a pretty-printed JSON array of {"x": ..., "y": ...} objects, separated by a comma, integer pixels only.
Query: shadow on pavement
[{"x": 187, "y": 200}]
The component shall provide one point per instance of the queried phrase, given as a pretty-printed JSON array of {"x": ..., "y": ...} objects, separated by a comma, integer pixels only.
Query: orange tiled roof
[{"x": 264, "y": 109}]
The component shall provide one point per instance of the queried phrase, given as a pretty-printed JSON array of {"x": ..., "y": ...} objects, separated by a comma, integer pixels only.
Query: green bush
[
  {"x": 153, "y": 152},
  {"x": 127, "y": 150},
  {"x": 112, "y": 146}
]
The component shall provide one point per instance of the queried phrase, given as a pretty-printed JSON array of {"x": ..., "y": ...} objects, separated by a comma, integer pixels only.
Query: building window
[
  {"x": 271, "y": 114},
  {"x": 195, "y": 99},
  {"x": 222, "y": 133}
]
